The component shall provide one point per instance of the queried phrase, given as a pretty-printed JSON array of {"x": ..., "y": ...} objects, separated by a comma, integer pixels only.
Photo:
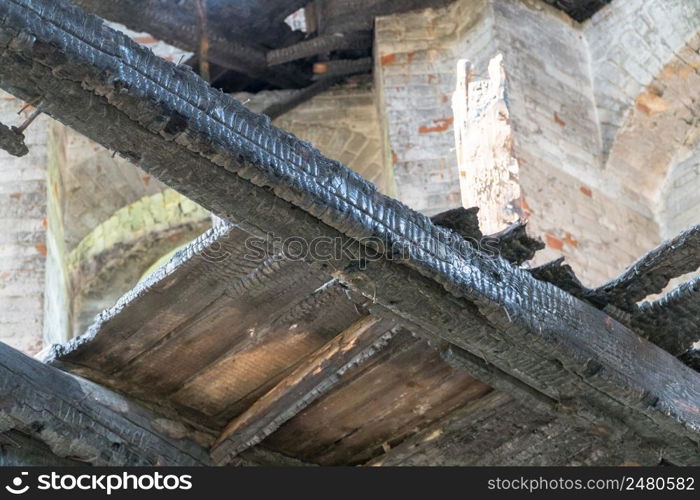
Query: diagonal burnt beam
[
  {"x": 652, "y": 272},
  {"x": 313, "y": 378},
  {"x": 286, "y": 104},
  {"x": 320, "y": 45},
  {"x": 671, "y": 322},
  {"x": 232, "y": 161},
  {"x": 79, "y": 419}
]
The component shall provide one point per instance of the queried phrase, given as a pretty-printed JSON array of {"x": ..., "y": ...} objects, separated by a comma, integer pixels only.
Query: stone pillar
[
  {"x": 23, "y": 225},
  {"x": 543, "y": 159}
]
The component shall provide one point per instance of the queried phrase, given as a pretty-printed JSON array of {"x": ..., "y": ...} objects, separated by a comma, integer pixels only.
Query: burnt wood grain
[
  {"x": 673, "y": 321},
  {"x": 78, "y": 419},
  {"x": 236, "y": 164},
  {"x": 497, "y": 431},
  {"x": 316, "y": 376},
  {"x": 652, "y": 272}
]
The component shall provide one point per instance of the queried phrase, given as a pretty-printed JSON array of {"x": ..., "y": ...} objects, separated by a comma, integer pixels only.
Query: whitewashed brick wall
[
  {"x": 22, "y": 233},
  {"x": 579, "y": 210}
]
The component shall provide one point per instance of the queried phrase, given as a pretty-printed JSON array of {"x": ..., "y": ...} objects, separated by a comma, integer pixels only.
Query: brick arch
[
  {"x": 631, "y": 43},
  {"x": 112, "y": 258},
  {"x": 679, "y": 205},
  {"x": 660, "y": 126}
]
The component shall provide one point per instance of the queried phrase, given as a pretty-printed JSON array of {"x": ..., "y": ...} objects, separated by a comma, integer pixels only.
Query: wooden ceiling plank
[{"x": 316, "y": 376}]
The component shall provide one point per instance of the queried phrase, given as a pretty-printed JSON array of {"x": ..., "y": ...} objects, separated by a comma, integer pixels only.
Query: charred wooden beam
[
  {"x": 320, "y": 45},
  {"x": 652, "y": 272},
  {"x": 515, "y": 245},
  {"x": 229, "y": 36},
  {"x": 233, "y": 162},
  {"x": 671, "y": 322},
  {"x": 259, "y": 20},
  {"x": 691, "y": 358},
  {"x": 19, "y": 450},
  {"x": 580, "y": 10},
  {"x": 313, "y": 378},
  {"x": 299, "y": 97},
  {"x": 12, "y": 141},
  {"x": 560, "y": 275},
  {"x": 79, "y": 419},
  {"x": 463, "y": 221}
]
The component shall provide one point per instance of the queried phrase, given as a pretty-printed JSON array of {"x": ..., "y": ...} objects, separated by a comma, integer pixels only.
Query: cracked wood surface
[
  {"x": 473, "y": 436},
  {"x": 78, "y": 419},
  {"x": 316, "y": 376},
  {"x": 378, "y": 404},
  {"x": 19, "y": 450},
  {"x": 236, "y": 164}
]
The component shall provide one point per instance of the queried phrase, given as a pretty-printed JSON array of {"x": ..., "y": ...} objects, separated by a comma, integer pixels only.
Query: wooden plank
[
  {"x": 77, "y": 418},
  {"x": 498, "y": 431},
  {"x": 288, "y": 103},
  {"x": 241, "y": 375},
  {"x": 171, "y": 296},
  {"x": 236, "y": 164},
  {"x": 610, "y": 360},
  {"x": 392, "y": 396},
  {"x": 316, "y": 376},
  {"x": 236, "y": 319}
]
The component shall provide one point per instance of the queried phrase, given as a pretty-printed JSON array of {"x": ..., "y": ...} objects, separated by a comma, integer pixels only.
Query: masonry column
[
  {"x": 22, "y": 233},
  {"x": 542, "y": 160}
]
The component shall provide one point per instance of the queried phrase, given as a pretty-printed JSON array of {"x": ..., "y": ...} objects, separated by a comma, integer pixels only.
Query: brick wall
[
  {"x": 415, "y": 62},
  {"x": 22, "y": 234},
  {"x": 680, "y": 203},
  {"x": 579, "y": 211},
  {"x": 630, "y": 42},
  {"x": 576, "y": 208}
]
